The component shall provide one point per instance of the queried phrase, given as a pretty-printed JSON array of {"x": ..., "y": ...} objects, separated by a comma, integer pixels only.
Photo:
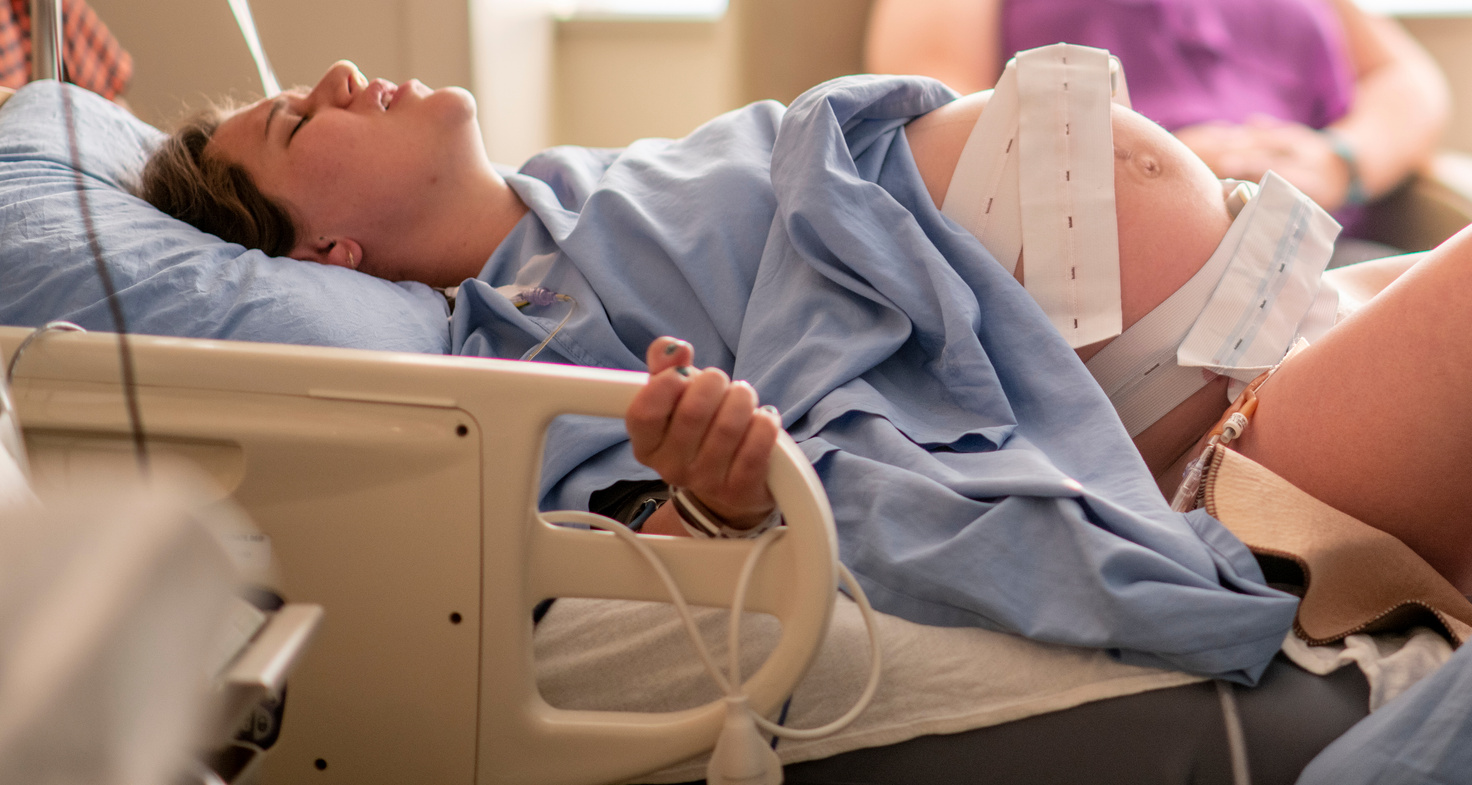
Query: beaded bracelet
[
  {"x": 1355, "y": 194},
  {"x": 701, "y": 522}
]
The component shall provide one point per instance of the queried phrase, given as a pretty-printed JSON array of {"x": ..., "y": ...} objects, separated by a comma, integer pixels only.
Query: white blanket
[{"x": 607, "y": 654}]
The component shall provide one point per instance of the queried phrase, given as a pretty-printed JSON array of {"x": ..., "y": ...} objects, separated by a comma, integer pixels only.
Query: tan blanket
[{"x": 1356, "y": 578}]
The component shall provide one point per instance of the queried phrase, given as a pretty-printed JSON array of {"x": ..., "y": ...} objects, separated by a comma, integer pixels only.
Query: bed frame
[{"x": 398, "y": 491}]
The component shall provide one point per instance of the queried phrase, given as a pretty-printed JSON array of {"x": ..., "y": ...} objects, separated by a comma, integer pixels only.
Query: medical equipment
[
  {"x": 806, "y": 599},
  {"x": 422, "y": 670},
  {"x": 125, "y": 641},
  {"x": 1039, "y": 172},
  {"x": 247, "y": 24},
  {"x": 539, "y": 297},
  {"x": 1258, "y": 292},
  {"x": 1038, "y": 169}
]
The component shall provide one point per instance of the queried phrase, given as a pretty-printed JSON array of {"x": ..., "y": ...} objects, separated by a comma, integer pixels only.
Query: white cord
[
  {"x": 56, "y": 325},
  {"x": 732, "y": 686},
  {"x": 247, "y": 24},
  {"x": 1236, "y": 739}
]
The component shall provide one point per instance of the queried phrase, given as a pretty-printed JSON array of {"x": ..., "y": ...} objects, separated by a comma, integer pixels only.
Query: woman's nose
[{"x": 342, "y": 82}]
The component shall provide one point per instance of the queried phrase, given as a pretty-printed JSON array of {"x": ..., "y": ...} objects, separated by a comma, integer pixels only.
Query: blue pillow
[{"x": 172, "y": 279}]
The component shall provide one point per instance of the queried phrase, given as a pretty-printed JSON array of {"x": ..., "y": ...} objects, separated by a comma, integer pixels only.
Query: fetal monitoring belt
[
  {"x": 1259, "y": 292},
  {"x": 1038, "y": 172}
]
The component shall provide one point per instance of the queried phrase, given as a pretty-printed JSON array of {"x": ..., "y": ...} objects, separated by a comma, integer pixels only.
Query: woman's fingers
[
  {"x": 690, "y": 423},
  {"x": 669, "y": 417},
  {"x": 703, "y": 432},
  {"x": 729, "y": 470},
  {"x": 746, "y": 477},
  {"x": 648, "y": 415},
  {"x": 728, "y": 425},
  {"x": 668, "y": 352}
]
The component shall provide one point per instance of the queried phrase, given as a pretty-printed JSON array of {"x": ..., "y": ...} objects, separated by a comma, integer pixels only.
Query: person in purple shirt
[{"x": 1341, "y": 103}]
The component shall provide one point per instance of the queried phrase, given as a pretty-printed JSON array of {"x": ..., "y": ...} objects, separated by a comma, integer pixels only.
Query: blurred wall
[
  {"x": 617, "y": 80},
  {"x": 595, "y": 81},
  {"x": 1449, "y": 39},
  {"x": 186, "y": 51}
]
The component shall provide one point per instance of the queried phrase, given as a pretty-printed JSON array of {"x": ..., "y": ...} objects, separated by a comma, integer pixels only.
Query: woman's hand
[
  {"x": 1299, "y": 154},
  {"x": 704, "y": 433}
]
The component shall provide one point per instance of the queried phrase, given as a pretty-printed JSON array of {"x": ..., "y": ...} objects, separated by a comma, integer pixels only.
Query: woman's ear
[{"x": 337, "y": 251}]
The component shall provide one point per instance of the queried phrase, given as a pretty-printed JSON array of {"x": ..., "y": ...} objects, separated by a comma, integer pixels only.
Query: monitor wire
[{"x": 114, "y": 303}]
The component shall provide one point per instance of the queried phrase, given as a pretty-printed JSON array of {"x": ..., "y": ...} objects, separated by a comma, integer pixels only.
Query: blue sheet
[
  {"x": 1423, "y": 736},
  {"x": 978, "y": 475}
]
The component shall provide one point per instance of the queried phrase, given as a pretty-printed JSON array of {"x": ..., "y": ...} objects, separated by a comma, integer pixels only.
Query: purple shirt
[{"x": 1191, "y": 61}]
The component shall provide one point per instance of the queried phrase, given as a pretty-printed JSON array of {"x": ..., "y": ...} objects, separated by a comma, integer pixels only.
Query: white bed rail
[{"x": 399, "y": 492}]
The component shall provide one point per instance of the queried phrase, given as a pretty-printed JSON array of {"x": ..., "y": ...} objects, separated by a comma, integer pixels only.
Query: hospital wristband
[
  {"x": 699, "y": 521},
  {"x": 1355, "y": 194}
]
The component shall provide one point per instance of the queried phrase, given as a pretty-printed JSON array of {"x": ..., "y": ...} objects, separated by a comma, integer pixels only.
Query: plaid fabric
[{"x": 91, "y": 56}]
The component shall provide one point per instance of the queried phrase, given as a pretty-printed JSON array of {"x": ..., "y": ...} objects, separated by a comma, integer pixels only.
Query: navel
[{"x": 1146, "y": 164}]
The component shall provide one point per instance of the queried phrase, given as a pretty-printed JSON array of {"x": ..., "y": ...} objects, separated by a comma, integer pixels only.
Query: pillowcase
[{"x": 171, "y": 278}]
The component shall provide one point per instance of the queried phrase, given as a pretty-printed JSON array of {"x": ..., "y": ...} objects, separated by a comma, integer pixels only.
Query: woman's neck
[{"x": 460, "y": 234}]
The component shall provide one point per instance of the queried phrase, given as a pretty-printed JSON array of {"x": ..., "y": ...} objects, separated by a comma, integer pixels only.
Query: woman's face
[{"x": 355, "y": 158}]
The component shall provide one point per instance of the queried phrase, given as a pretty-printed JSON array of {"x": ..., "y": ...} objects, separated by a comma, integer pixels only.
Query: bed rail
[
  {"x": 46, "y": 39},
  {"x": 399, "y": 492}
]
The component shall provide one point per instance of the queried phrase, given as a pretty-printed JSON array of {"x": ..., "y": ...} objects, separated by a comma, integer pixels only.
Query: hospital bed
[{"x": 398, "y": 491}]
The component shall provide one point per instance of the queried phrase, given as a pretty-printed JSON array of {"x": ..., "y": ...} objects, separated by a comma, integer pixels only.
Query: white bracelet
[{"x": 699, "y": 521}]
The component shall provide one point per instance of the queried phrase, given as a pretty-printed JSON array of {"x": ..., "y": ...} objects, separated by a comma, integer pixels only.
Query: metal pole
[{"x": 46, "y": 39}]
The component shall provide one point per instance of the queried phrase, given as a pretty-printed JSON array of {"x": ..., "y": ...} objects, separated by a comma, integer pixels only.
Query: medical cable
[
  {"x": 58, "y": 325},
  {"x": 544, "y": 297},
  {"x": 114, "y": 304},
  {"x": 1231, "y": 426},
  {"x": 1236, "y": 738},
  {"x": 243, "y": 18},
  {"x": 732, "y": 686}
]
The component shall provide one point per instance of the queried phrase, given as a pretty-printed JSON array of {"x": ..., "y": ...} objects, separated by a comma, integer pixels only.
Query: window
[
  {"x": 664, "y": 9},
  {"x": 1406, "y": 8}
]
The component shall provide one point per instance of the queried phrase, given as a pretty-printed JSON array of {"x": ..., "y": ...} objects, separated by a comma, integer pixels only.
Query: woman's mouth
[{"x": 404, "y": 90}]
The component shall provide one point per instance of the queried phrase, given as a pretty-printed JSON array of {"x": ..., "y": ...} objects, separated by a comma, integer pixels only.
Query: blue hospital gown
[{"x": 978, "y": 474}]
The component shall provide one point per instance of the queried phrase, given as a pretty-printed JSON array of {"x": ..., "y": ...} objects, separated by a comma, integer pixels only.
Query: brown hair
[{"x": 182, "y": 179}]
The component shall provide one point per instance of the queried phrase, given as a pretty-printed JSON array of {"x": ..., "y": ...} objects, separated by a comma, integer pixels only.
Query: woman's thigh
[{"x": 1373, "y": 419}]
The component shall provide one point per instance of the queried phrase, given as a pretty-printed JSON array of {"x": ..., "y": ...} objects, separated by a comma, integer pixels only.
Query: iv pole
[{"x": 46, "y": 39}]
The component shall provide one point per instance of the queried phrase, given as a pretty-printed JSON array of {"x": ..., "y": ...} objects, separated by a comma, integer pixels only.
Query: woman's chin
[{"x": 456, "y": 103}]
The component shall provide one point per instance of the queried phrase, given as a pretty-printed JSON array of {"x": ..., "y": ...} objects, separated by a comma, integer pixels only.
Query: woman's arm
[
  {"x": 1400, "y": 108},
  {"x": 704, "y": 433},
  {"x": 1401, "y": 102},
  {"x": 955, "y": 41}
]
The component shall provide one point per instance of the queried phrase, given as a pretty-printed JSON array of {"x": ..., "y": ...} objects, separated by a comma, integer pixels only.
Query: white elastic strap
[
  {"x": 1138, "y": 370},
  {"x": 1038, "y": 172},
  {"x": 982, "y": 196},
  {"x": 1067, "y": 191},
  {"x": 1257, "y": 283},
  {"x": 1272, "y": 282}
]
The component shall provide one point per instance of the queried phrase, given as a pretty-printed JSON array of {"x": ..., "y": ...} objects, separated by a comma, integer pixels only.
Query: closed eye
[{"x": 297, "y": 127}]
